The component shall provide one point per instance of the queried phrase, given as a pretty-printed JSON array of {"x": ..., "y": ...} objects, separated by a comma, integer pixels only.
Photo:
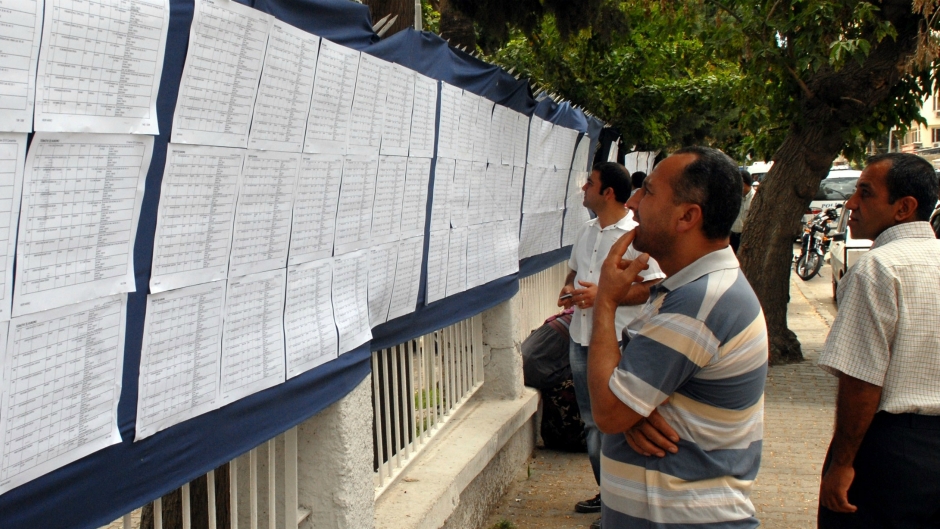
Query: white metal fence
[
  {"x": 416, "y": 387},
  {"x": 261, "y": 493},
  {"x": 540, "y": 295}
]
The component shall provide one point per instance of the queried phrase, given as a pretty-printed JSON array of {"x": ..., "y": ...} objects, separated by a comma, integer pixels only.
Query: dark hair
[
  {"x": 910, "y": 176},
  {"x": 713, "y": 182},
  {"x": 616, "y": 177},
  {"x": 637, "y": 179},
  {"x": 747, "y": 178}
]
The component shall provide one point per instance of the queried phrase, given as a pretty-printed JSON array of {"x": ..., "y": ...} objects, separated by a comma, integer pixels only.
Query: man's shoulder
[{"x": 723, "y": 300}]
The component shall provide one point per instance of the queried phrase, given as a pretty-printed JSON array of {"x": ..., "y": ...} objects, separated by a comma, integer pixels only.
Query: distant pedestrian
[
  {"x": 637, "y": 180},
  {"x": 883, "y": 465},
  {"x": 747, "y": 190}
]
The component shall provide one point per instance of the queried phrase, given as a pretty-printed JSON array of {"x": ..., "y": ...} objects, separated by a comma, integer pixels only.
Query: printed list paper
[
  {"x": 308, "y": 317},
  {"x": 81, "y": 204},
  {"x": 20, "y": 32},
  {"x": 12, "y": 160}
]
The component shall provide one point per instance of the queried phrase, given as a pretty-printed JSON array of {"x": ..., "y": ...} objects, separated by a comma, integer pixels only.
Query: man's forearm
[
  {"x": 569, "y": 280},
  {"x": 856, "y": 406},
  {"x": 610, "y": 414}
]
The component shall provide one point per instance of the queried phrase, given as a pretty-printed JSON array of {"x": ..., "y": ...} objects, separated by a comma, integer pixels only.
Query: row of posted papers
[{"x": 292, "y": 215}]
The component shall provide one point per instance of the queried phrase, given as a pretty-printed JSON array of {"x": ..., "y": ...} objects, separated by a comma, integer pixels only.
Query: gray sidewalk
[{"x": 799, "y": 412}]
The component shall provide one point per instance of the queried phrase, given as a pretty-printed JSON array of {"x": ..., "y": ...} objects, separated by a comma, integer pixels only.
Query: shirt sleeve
[
  {"x": 859, "y": 343},
  {"x": 668, "y": 351}
]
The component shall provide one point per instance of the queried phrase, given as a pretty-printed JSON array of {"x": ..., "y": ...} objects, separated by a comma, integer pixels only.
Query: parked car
[
  {"x": 844, "y": 250},
  {"x": 836, "y": 188}
]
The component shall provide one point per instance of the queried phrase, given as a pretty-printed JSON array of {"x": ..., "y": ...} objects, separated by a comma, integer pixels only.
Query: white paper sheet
[
  {"x": 448, "y": 139},
  {"x": 179, "y": 358},
  {"x": 100, "y": 65},
  {"x": 495, "y": 145},
  {"x": 476, "y": 255},
  {"x": 490, "y": 249},
  {"x": 253, "y": 334},
  {"x": 467, "y": 134},
  {"x": 81, "y": 203},
  {"x": 515, "y": 194},
  {"x": 263, "y": 212},
  {"x": 498, "y": 192},
  {"x": 333, "y": 90},
  {"x": 389, "y": 197},
  {"x": 481, "y": 129},
  {"x": 437, "y": 266},
  {"x": 423, "y": 117},
  {"x": 457, "y": 261},
  {"x": 415, "y": 203},
  {"x": 382, "y": 261},
  {"x": 540, "y": 233},
  {"x": 443, "y": 181},
  {"x": 62, "y": 373},
  {"x": 354, "y": 213},
  {"x": 12, "y": 166},
  {"x": 351, "y": 299},
  {"x": 308, "y": 317},
  {"x": 20, "y": 32},
  {"x": 458, "y": 198},
  {"x": 196, "y": 216},
  {"x": 280, "y": 114},
  {"x": 508, "y": 247},
  {"x": 407, "y": 277},
  {"x": 399, "y": 103},
  {"x": 582, "y": 153},
  {"x": 315, "y": 204},
  {"x": 367, "y": 116},
  {"x": 476, "y": 209},
  {"x": 575, "y": 212},
  {"x": 520, "y": 140},
  {"x": 227, "y": 41}
]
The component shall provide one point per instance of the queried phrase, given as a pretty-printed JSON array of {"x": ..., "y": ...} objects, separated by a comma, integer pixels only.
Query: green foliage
[
  {"x": 735, "y": 74},
  {"x": 503, "y": 524},
  {"x": 430, "y": 16}
]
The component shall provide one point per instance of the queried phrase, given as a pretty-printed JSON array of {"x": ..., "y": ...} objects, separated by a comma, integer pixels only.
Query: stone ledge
[{"x": 429, "y": 490}]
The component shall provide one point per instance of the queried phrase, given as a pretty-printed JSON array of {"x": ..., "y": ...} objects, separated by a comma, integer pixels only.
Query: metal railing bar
[
  {"x": 396, "y": 416},
  {"x": 253, "y": 486},
  {"x": 272, "y": 484},
  {"x": 158, "y": 513},
  {"x": 388, "y": 422},
  {"x": 233, "y": 492},
  {"x": 210, "y": 497},
  {"x": 187, "y": 512},
  {"x": 377, "y": 420},
  {"x": 291, "y": 503}
]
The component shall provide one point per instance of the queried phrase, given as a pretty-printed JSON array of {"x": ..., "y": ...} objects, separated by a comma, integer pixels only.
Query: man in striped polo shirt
[{"x": 694, "y": 362}]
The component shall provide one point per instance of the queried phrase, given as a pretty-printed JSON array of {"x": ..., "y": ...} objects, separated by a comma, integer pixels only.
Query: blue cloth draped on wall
[{"x": 103, "y": 486}]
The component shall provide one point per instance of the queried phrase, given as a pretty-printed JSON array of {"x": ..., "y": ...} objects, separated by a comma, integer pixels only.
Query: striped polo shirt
[{"x": 698, "y": 353}]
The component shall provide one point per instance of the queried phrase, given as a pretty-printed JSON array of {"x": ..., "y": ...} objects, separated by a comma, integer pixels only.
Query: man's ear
[
  {"x": 905, "y": 209},
  {"x": 690, "y": 219}
]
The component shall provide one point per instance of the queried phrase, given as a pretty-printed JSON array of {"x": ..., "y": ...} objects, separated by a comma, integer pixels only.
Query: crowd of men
[{"x": 669, "y": 349}]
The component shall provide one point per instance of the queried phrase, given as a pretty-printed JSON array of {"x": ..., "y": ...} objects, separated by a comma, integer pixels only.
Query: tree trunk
[
  {"x": 837, "y": 100},
  {"x": 198, "y": 504},
  {"x": 456, "y": 27},
  {"x": 405, "y": 9}
]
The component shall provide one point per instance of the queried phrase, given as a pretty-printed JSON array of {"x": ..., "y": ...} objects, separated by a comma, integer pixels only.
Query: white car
[
  {"x": 836, "y": 188},
  {"x": 844, "y": 250}
]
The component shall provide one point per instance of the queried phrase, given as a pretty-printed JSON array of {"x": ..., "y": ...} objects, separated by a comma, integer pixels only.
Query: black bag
[{"x": 545, "y": 353}]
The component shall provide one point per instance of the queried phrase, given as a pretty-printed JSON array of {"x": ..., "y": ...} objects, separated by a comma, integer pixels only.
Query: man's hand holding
[
  {"x": 566, "y": 302},
  {"x": 620, "y": 280},
  {"x": 653, "y": 437},
  {"x": 834, "y": 489}
]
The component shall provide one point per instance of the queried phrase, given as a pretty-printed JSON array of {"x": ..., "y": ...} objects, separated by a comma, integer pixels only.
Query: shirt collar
[
  {"x": 626, "y": 223},
  {"x": 723, "y": 259},
  {"x": 908, "y": 230}
]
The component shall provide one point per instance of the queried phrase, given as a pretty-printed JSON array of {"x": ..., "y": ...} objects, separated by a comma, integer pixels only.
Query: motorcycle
[{"x": 815, "y": 243}]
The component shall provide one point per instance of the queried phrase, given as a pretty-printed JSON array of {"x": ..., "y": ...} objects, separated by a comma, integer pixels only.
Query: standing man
[
  {"x": 883, "y": 465},
  {"x": 605, "y": 193},
  {"x": 697, "y": 359},
  {"x": 747, "y": 190}
]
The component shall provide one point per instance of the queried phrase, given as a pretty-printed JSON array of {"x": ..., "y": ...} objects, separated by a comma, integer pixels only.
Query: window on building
[
  {"x": 935, "y": 135},
  {"x": 912, "y": 136}
]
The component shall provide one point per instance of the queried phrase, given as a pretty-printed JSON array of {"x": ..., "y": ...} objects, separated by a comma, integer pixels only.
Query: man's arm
[
  {"x": 617, "y": 283},
  {"x": 856, "y": 405}
]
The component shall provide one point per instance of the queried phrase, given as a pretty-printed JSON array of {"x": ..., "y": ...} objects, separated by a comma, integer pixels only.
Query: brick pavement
[{"x": 799, "y": 412}]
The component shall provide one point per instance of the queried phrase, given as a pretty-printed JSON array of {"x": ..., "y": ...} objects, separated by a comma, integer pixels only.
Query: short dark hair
[
  {"x": 637, "y": 179},
  {"x": 713, "y": 182},
  {"x": 616, "y": 177},
  {"x": 746, "y": 177},
  {"x": 910, "y": 176}
]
